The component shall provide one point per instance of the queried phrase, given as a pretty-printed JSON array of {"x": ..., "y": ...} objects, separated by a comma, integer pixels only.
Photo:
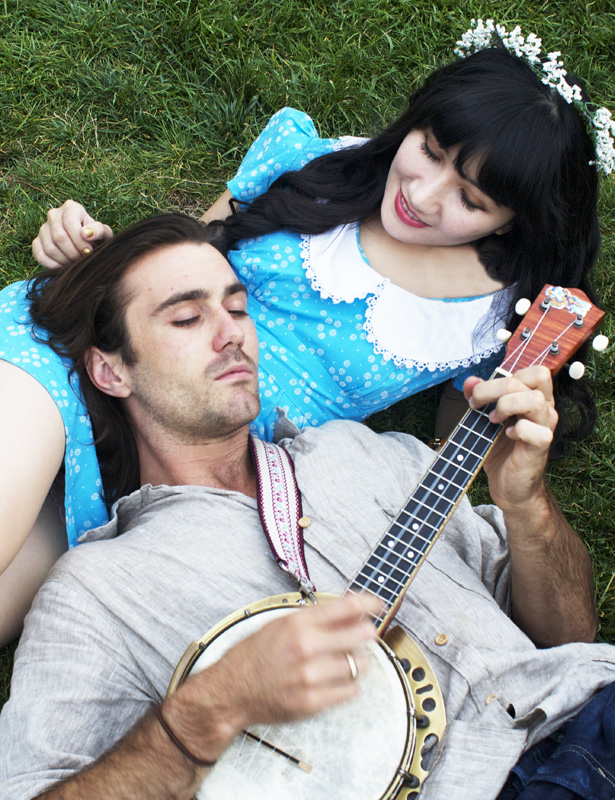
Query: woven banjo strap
[{"x": 279, "y": 506}]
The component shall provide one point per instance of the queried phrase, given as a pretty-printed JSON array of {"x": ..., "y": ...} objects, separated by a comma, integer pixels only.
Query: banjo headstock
[{"x": 555, "y": 326}]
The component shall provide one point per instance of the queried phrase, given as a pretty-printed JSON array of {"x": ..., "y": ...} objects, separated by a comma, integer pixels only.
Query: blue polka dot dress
[
  {"x": 83, "y": 505},
  {"x": 337, "y": 340}
]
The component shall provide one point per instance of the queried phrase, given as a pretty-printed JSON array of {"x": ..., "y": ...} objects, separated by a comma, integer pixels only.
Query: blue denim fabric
[{"x": 576, "y": 763}]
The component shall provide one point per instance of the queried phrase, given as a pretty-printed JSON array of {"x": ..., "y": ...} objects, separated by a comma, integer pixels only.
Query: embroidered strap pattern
[{"x": 279, "y": 506}]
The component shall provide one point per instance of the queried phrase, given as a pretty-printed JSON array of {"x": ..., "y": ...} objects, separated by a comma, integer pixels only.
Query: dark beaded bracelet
[{"x": 182, "y": 748}]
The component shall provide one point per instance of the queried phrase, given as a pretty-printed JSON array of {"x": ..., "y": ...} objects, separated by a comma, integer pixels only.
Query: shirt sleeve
[
  {"x": 287, "y": 143},
  {"x": 71, "y": 668}
]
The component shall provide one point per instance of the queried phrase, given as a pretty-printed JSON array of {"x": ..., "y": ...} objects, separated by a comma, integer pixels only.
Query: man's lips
[
  {"x": 236, "y": 371},
  {"x": 406, "y": 213}
]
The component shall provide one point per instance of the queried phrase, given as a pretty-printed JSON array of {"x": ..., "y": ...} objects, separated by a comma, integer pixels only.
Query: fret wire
[
  {"x": 381, "y": 591},
  {"x": 383, "y": 566},
  {"x": 397, "y": 541},
  {"x": 387, "y": 596},
  {"x": 432, "y": 511},
  {"x": 419, "y": 522},
  {"x": 485, "y": 432},
  {"x": 388, "y": 579},
  {"x": 438, "y": 477},
  {"x": 374, "y": 560},
  {"x": 468, "y": 449},
  {"x": 480, "y": 435},
  {"x": 457, "y": 465}
]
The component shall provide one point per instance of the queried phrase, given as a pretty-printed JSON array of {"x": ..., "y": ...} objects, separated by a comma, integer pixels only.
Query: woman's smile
[{"x": 406, "y": 213}]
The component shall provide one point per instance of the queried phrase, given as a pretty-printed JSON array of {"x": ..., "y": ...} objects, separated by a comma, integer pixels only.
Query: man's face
[{"x": 196, "y": 347}]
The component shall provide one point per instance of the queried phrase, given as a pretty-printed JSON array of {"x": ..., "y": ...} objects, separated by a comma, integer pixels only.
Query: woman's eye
[
  {"x": 430, "y": 155},
  {"x": 238, "y": 312},
  {"x": 184, "y": 323},
  {"x": 468, "y": 203}
]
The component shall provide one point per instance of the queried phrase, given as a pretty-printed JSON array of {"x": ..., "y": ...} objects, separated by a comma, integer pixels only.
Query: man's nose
[{"x": 228, "y": 331}]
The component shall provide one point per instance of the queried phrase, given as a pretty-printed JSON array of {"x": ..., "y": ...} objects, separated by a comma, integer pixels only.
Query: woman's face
[{"x": 427, "y": 201}]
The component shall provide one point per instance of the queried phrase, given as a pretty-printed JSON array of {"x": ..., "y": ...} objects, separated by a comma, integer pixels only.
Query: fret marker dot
[
  {"x": 415, "y": 526},
  {"x": 380, "y": 578},
  {"x": 410, "y": 553},
  {"x": 440, "y": 487},
  {"x": 391, "y": 543},
  {"x": 460, "y": 457}
]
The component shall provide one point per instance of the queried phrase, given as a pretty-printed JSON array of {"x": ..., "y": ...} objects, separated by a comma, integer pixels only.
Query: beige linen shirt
[{"x": 114, "y": 618}]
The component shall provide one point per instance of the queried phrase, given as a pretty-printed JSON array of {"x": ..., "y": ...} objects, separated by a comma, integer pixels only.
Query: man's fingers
[
  {"x": 531, "y": 404},
  {"x": 335, "y": 669},
  {"x": 344, "y": 610},
  {"x": 480, "y": 392},
  {"x": 532, "y": 434}
]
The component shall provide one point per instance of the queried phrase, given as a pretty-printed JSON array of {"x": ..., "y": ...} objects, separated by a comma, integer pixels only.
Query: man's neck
[{"x": 223, "y": 463}]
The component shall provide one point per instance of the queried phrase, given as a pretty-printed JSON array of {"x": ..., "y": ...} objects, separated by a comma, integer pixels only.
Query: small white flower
[{"x": 482, "y": 35}]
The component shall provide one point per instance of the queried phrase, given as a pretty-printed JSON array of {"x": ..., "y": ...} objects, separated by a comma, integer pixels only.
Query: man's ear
[{"x": 107, "y": 373}]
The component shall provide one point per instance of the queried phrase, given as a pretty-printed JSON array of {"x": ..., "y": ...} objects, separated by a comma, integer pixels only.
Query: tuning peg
[
  {"x": 523, "y": 306},
  {"x": 503, "y": 335},
  {"x": 600, "y": 343},
  {"x": 576, "y": 370}
]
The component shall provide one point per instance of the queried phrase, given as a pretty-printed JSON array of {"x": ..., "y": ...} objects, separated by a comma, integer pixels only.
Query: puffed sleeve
[{"x": 287, "y": 143}]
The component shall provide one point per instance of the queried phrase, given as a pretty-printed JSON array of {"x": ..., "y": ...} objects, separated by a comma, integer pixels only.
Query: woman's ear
[
  {"x": 504, "y": 228},
  {"x": 107, "y": 372}
]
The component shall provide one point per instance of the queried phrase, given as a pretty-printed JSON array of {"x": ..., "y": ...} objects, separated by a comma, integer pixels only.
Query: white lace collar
[{"x": 415, "y": 332}]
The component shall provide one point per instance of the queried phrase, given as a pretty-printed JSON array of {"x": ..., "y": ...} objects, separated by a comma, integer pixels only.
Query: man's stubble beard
[{"x": 189, "y": 412}]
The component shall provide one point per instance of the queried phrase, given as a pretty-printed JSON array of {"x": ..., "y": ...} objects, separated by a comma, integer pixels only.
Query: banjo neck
[
  {"x": 553, "y": 329},
  {"x": 393, "y": 564}
]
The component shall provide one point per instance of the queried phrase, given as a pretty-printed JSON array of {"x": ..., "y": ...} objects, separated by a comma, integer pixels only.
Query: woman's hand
[{"x": 69, "y": 233}]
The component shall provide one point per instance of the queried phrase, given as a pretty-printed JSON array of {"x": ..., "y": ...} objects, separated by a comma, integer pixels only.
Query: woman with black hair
[{"x": 374, "y": 268}]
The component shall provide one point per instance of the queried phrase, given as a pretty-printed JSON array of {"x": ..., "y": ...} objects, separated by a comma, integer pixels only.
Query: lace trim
[
  {"x": 365, "y": 280},
  {"x": 332, "y": 248},
  {"x": 411, "y": 363}
]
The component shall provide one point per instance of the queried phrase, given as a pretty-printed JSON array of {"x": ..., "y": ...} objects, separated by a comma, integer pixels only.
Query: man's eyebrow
[
  {"x": 236, "y": 288},
  {"x": 197, "y": 294}
]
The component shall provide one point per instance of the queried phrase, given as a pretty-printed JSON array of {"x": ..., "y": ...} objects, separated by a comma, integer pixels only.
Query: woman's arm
[
  {"x": 220, "y": 209},
  {"x": 33, "y": 441}
]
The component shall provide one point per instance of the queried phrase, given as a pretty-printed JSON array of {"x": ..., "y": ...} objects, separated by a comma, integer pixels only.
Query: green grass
[{"x": 135, "y": 107}]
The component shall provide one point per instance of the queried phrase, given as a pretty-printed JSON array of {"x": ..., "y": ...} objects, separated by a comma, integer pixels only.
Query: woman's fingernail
[
  {"x": 87, "y": 232},
  {"x": 86, "y": 251}
]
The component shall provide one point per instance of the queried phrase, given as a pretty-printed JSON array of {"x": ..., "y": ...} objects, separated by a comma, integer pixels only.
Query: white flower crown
[{"x": 551, "y": 72}]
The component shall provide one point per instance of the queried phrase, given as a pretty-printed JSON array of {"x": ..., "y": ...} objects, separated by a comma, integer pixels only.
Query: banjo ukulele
[{"x": 372, "y": 747}]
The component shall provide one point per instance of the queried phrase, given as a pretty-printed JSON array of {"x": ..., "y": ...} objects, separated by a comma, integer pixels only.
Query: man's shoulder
[{"x": 344, "y": 441}]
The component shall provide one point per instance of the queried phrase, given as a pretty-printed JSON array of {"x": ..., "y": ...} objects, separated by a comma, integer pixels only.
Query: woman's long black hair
[{"x": 534, "y": 153}]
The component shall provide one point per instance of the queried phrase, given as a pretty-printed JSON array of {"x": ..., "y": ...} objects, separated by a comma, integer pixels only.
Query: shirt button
[
  {"x": 305, "y": 522},
  {"x": 441, "y": 639},
  {"x": 490, "y": 699}
]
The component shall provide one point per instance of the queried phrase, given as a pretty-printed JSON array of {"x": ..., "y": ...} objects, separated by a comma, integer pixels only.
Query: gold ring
[{"x": 354, "y": 672}]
